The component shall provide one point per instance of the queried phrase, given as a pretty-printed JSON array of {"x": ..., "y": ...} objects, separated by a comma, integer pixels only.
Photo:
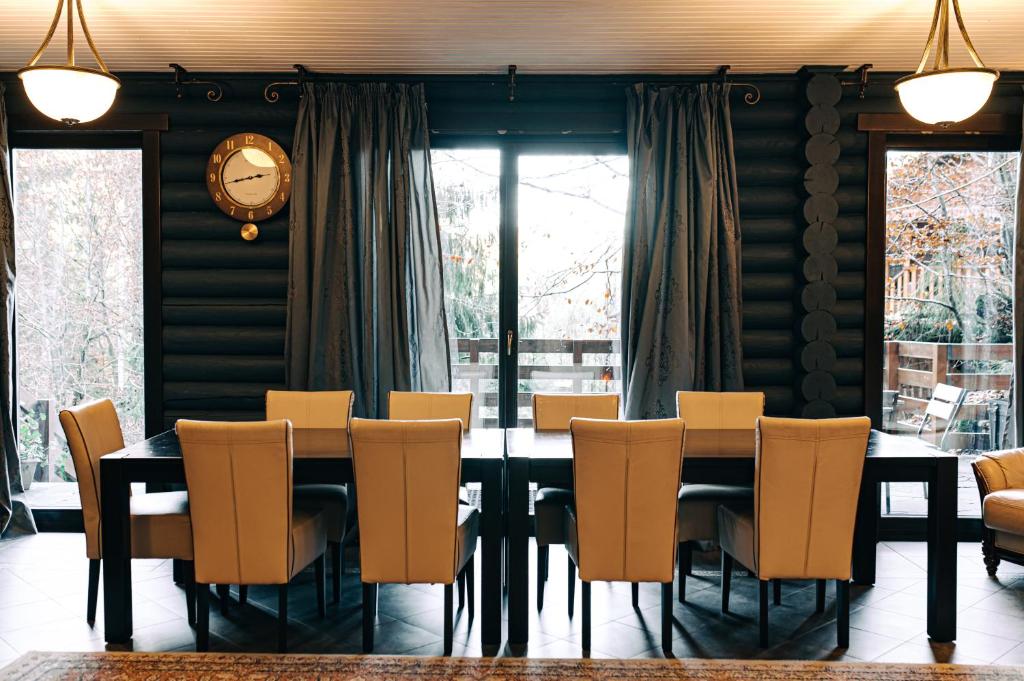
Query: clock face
[{"x": 249, "y": 177}]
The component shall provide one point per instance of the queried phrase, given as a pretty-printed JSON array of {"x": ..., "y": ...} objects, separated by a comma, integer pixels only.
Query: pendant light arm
[
  {"x": 931, "y": 37},
  {"x": 88, "y": 37},
  {"x": 71, "y": 35},
  {"x": 49, "y": 35},
  {"x": 942, "y": 49},
  {"x": 967, "y": 39}
]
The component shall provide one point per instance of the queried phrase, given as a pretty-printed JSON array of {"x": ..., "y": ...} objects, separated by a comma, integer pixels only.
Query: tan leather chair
[
  {"x": 553, "y": 412},
  {"x": 717, "y": 424},
  {"x": 1000, "y": 477},
  {"x": 806, "y": 485},
  {"x": 319, "y": 428},
  {"x": 244, "y": 527},
  {"x": 413, "y": 406},
  {"x": 160, "y": 526},
  {"x": 622, "y": 526},
  {"x": 412, "y": 530}
]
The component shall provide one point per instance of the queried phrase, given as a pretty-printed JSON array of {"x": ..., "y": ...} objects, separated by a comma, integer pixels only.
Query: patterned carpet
[{"x": 228, "y": 667}]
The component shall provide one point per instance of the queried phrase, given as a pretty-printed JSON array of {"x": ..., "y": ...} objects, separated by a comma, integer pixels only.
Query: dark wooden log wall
[{"x": 224, "y": 299}]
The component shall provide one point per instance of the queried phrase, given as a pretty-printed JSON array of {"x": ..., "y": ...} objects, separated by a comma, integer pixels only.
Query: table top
[{"x": 479, "y": 443}]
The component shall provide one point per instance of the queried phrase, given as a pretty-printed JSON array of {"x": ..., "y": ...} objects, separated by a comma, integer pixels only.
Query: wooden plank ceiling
[{"x": 540, "y": 36}]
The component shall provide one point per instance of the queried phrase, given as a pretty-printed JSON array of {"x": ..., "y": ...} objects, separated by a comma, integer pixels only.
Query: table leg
[
  {"x": 518, "y": 550},
  {"x": 490, "y": 577},
  {"x": 865, "y": 533},
  {"x": 117, "y": 551},
  {"x": 942, "y": 510}
]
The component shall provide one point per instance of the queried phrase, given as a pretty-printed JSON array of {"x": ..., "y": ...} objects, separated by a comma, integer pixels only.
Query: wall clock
[{"x": 250, "y": 178}]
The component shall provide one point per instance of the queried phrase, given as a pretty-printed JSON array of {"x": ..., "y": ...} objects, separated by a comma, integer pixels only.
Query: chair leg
[
  {"x": 460, "y": 580},
  {"x": 202, "y": 618},
  {"x": 448, "y": 615},
  {"x": 685, "y": 567},
  {"x": 336, "y": 570},
  {"x": 989, "y": 555},
  {"x": 572, "y": 585},
  {"x": 666, "y": 619},
  {"x": 542, "y": 574},
  {"x": 726, "y": 579},
  {"x": 888, "y": 499},
  {"x": 470, "y": 571},
  {"x": 320, "y": 574},
  {"x": 819, "y": 596},
  {"x": 94, "y": 591},
  {"x": 843, "y": 613},
  {"x": 223, "y": 593},
  {"x": 188, "y": 575},
  {"x": 777, "y": 591},
  {"x": 636, "y": 595},
  {"x": 763, "y": 619},
  {"x": 369, "y": 615},
  {"x": 243, "y": 594},
  {"x": 585, "y": 596},
  {"x": 282, "y": 618}
]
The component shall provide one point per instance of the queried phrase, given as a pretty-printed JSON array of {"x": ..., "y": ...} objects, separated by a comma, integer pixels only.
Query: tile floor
[{"x": 43, "y": 582}]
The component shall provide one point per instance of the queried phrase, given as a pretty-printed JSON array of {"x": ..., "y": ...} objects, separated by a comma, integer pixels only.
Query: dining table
[
  {"x": 545, "y": 458},
  {"x": 158, "y": 460}
]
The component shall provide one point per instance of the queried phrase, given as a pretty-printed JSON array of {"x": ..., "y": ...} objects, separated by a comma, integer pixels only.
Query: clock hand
[{"x": 250, "y": 177}]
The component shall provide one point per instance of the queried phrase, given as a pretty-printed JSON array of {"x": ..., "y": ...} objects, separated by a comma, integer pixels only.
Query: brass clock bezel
[{"x": 215, "y": 182}]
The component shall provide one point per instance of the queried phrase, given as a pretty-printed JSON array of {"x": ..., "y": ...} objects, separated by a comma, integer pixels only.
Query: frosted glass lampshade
[
  {"x": 947, "y": 96},
  {"x": 71, "y": 94}
]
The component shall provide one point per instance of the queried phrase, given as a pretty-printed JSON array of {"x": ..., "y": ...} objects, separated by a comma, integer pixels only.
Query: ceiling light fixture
[
  {"x": 69, "y": 93},
  {"x": 941, "y": 95}
]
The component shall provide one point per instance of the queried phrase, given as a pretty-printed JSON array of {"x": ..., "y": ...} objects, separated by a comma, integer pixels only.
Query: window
[
  {"x": 79, "y": 304},
  {"x": 948, "y": 313}
]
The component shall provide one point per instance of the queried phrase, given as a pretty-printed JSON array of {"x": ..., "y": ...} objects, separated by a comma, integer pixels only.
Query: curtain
[
  {"x": 366, "y": 296},
  {"x": 681, "y": 297},
  {"x": 15, "y": 516},
  {"x": 1017, "y": 393}
]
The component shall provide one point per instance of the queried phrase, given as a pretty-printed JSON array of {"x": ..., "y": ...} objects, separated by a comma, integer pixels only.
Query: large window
[
  {"x": 78, "y": 217},
  {"x": 948, "y": 325}
]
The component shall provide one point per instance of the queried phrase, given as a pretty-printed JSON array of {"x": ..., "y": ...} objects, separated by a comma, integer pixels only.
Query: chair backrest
[
  {"x": 407, "y": 474},
  {"x": 945, "y": 401},
  {"x": 720, "y": 424},
  {"x": 554, "y": 411},
  {"x": 627, "y": 478},
  {"x": 1000, "y": 470},
  {"x": 92, "y": 430},
  {"x": 319, "y": 419},
  {"x": 806, "y": 485},
  {"x": 239, "y": 478},
  {"x": 410, "y": 406}
]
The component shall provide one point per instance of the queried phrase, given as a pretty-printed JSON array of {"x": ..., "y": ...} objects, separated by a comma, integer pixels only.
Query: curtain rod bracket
[
  {"x": 861, "y": 83},
  {"x": 511, "y": 82},
  {"x": 182, "y": 79},
  {"x": 753, "y": 94},
  {"x": 270, "y": 93}
]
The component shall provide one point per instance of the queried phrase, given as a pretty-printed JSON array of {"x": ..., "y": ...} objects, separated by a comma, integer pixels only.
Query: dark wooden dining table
[
  {"x": 158, "y": 460},
  {"x": 546, "y": 458}
]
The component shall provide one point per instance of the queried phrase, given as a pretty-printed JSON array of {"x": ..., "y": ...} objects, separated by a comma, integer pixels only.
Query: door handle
[{"x": 508, "y": 343}]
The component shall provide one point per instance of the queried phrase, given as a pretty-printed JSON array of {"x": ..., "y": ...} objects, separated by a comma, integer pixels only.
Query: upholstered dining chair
[
  {"x": 552, "y": 413},
  {"x": 412, "y": 530},
  {"x": 415, "y": 406},
  {"x": 717, "y": 424},
  {"x": 245, "y": 528},
  {"x": 160, "y": 525},
  {"x": 806, "y": 485},
  {"x": 622, "y": 525},
  {"x": 1000, "y": 477},
  {"x": 319, "y": 428}
]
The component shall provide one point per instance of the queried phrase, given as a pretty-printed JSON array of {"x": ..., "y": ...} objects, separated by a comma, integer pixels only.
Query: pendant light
[
  {"x": 69, "y": 93},
  {"x": 943, "y": 95}
]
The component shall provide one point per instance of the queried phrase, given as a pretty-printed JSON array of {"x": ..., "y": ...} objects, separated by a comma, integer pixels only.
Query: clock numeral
[
  {"x": 249, "y": 139},
  {"x": 252, "y": 215},
  {"x": 288, "y": 177},
  {"x": 281, "y": 158},
  {"x": 216, "y": 196},
  {"x": 230, "y": 144},
  {"x": 216, "y": 158},
  {"x": 270, "y": 145},
  {"x": 282, "y": 196},
  {"x": 232, "y": 208},
  {"x": 270, "y": 211},
  {"x": 213, "y": 177}
]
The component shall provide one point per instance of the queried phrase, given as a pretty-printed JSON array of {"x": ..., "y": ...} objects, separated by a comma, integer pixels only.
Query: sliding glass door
[{"x": 532, "y": 238}]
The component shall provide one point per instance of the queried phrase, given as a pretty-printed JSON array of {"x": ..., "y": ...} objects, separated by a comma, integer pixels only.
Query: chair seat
[
  {"x": 466, "y": 534},
  {"x": 332, "y": 500},
  {"x": 549, "y": 514},
  {"x": 308, "y": 538},
  {"x": 1004, "y": 511},
  {"x": 160, "y": 525},
  {"x": 698, "y": 508},
  {"x": 736, "y": 534}
]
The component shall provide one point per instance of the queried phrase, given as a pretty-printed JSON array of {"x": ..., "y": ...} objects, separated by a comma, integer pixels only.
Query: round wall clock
[{"x": 250, "y": 178}]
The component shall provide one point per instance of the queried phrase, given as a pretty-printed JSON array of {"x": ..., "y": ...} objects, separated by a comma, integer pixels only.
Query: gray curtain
[
  {"x": 1017, "y": 394},
  {"x": 681, "y": 296},
  {"x": 365, "y": 297},
  {"x": 15, "y": 516}
]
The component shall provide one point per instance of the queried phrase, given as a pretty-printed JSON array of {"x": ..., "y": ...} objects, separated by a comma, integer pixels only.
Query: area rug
[{"x": 229, "y": 667}]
